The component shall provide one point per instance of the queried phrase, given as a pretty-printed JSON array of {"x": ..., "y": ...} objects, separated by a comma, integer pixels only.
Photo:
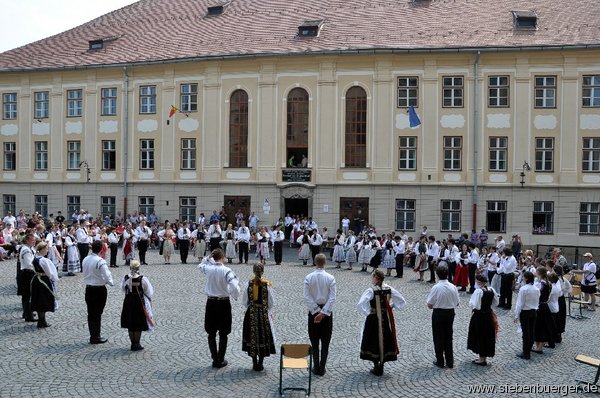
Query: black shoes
[
  {"x": 98, "y": 340},
  {"x": 136, "y": 347},
  {"x": 523, "y": 356},
  {"x": 219, "y": 364},
  {"x": 42, "y": 325},
  {"x": 441, "y": 366}
]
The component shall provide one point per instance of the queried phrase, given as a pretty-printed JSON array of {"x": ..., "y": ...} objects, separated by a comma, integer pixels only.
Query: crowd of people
[{"x": 490, "y": 273}]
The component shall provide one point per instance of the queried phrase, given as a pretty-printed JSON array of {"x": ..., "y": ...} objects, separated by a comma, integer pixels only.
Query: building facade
[{"x": 509, "y": 139}]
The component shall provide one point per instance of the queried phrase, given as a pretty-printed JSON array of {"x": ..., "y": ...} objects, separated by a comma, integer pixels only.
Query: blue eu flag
[{"x": 413, "y": 118}]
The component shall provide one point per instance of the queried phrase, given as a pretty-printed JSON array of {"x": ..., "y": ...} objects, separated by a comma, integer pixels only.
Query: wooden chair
[
  {"x": 295, "y": 356},
  {"x": 592, "y": 362},
  {"x": 575, "y": 298}
]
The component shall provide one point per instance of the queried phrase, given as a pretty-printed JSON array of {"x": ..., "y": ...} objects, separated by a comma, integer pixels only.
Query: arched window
[
  {"x": 356, "y": 128},
  {"x": 238, "y": 129},
  {"x": 297, "y": 128}
]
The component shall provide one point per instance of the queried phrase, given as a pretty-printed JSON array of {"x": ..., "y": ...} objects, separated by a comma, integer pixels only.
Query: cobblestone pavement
[{"x": 59, "y": 362}]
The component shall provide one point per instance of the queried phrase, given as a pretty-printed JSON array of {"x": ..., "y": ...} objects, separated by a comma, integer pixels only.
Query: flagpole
[{"x": 475, "y": 138}]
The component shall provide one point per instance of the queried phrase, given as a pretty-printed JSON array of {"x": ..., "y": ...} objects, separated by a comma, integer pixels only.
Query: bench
[{"x": 592, "y": 362}]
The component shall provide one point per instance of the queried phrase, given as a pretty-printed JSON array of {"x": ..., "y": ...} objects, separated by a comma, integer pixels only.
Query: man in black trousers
[
  {"x": 96, "y": 276},
  {"x": 443, "y": 299},
  {"x": 319, "y": 295},
  {"x": 278, "y": 237},
  {"x": 243, "y": 240}
]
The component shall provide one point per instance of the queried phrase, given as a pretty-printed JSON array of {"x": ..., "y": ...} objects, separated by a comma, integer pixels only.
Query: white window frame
[
  {"x": 147, "y": 154},
  {"x": 9, "y": 203},
  {"x": 108, "y": 206},
  {"x": 146, "y": 205},
  {"x": 109, "y": 101},
  {"x": 544, "y": 154},
  {"x": 147, "y": 100},
  {"x": 498, "y": 154},
  {"x": 109, "y": 155},
  {"x": 589, "y": 218},
  {"x": 10, "y": 156},
  {"x": 496, "y": 207},
  {"x": 453, "y": 91},
  {"x": 73, "y": 204},
  {"x": 499, "y": 91},
  {"x": 450, "y": 215},
  {"x": 41, "y": 204},
  {"x": 546, "y": 211},
  {"x": 453, "y": 153},
  {"x": 187, "y": 208},
  {"x": 74, "y": 103},
  {"x": 407, "y": 153},
  {"x": 41, "y": 104},
  {"x": 591, "y": 91},
  {"x": 545, "y": 91},
  {"x": 408, "y": 91},
  {"x": 73, "y": 155},
  {"x": 188, "y": 154},
  {"x": 9, "y": 106},
  {"x": 41, "y": 155},
  {"x": 188, "y": 97},
  {"x": 591, "y": 155},
  {"x": 406, "y": 214}
]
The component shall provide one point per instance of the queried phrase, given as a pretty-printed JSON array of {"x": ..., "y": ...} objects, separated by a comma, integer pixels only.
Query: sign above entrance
[{"x": 295, "y": 175}]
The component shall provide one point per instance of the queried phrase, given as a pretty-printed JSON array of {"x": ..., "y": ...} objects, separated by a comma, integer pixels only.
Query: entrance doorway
[
  {"x": 296, "y": 207},
  {"x": 233, "y": 204},
  {"x": 357, "y": 210}
]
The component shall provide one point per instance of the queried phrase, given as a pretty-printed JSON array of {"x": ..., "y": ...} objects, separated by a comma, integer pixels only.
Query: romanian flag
[{"x": 173, "y": 111}]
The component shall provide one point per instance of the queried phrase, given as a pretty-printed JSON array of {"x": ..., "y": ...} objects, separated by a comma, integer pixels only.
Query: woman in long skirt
[
  {"x": 73, "y": 264},
  {"x": 566, "y": 290},
  {"x": 304, "y": 253},
  {"x": 136, "y": 315},
  {"x": 257, "y": 332},
  {"x": 461, "y": 275},
  {"x": 168, "y": 248},
  {"x": 262, "y": 245},
  {"x": 199, "y": 236},
  {"x": 339, "y": 256},
  {"x": 389, "y": 258},
  {"x": 483, "y": 327},
  {"x": 545, "y": 330},
  {"x": 378, "y": 341},
  {"x": 230, "y": 252},
  {"x": 43, "y": 285},
  {"x": 350, "y": 250},
  {"x": 365, "y": 253}
]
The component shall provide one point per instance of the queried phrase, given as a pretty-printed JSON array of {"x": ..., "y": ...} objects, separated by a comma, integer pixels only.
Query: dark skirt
[
  {"x": 545, "y": 330},
  {"x": 42, "y": 297},
  {"x": 257, "y": 337},
  {"x": 376, "y": 259},
  {"x": 561, "y": 317},
  {"x": 461, "y": 276},
  {"x": 369, "y": 347},
  {"x": 132, "y": 315},
  {"x": 482, "y": 334},
  {"x": 588, "y": 289}
]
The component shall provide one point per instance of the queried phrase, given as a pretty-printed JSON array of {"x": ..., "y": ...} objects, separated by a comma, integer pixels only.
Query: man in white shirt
[
  {"x": 500, "y": 244},
  {"x": 243, "y": 240},
  {"x": 221, "y": 284},
  {"x": 399, "y": 250},
  {"x": 25, "y": 274},
  {"x": 319, "y": 295},
  {"x": 142, "y": 234},
  {"x": 345, "y": 225},
  {"x": 183, "y": 235},
  {"x": 83, "y": 240},
  {"x": 278, "y": 237},
  {"x": 315, "y": 240},
  {"x": 9, "y": 219},
  {"x": 443, "y": 300},
  {"x": 289, "y": 224},
  {"x": 96, "y": 276},
  {"x": 525, "y": 312},
  {"x": 113, "y": 243},
  {"x": 506, "y": 270},
  {"x": 214, "y": 233},
  {"x": 433, "y": 253}
]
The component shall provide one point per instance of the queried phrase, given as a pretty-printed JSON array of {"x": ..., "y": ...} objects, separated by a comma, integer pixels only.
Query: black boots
[
  {"x": 257, "y": 363},
  {"x": 377, "y": 368},
  {"x": 27, "y": 313},
  {"x": 94, "y": 328},
  {"x": 218, "y": 357},
  {"x": 135, "y": 338},
  {"x": 42, "y": 320}
]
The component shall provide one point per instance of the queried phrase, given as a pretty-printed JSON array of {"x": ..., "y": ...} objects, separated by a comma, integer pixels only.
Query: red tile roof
[{"x": 163, "y": 30}]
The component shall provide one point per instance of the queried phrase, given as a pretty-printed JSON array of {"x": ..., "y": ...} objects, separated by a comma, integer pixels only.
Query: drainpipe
[
  {"x": 125, "y": 137},
  {"x": 475, "y": 138}
]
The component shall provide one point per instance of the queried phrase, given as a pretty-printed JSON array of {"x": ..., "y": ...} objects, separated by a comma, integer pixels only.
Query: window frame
[
  {"x": 496, "y": 151},
  {"x": 447, "y": 208},
  {"x": 146, "y": 205},
  {"x": 109, "y": 155},
  {"x": 188, "y": 154},
  {"x": 453, "y": 91},
  {"x": 73, "y": 204},
  {"x": 41, "y": 204},
  {"x": 73, "y": 155},
  {"x": 407, "y": 153},
  {"x": 496, "y": 209},
  {"x": 10, "y": 156},
  {"x": 9, "y": 203},
  {"x": 407, "y": 93},
  {"x": 9, "y": 106},
  {"x": 356, "y": 128},
  {"x": 147, "y": 154},
  {"x": 148, "y": 99},
  {"x": 592, "y": 215},
  {"x": 297, "y": 124},
  {"x": 594, "y": 88},
  {"x": 402, "y": 210},
  {"x": 41, "y": 157},
  {"x": 544, "y": 151},
  {"x": 41, "y": 104},
  {"x": 108, "y": 203},
  {"x": 239, "y": 110},
  {"x": 75, "y": 104},
  {"x": 495, "y": 86},
  {"x": 108, "y": 101},
  {"x": 545, "y": 210},
  {"x": 190, "y": 104},
  {"x": 590, "y": 157},
  {"x": 541, "y": 90},
  {"x": 451, "y": 150},
  {"x": 190, "y": 203}
]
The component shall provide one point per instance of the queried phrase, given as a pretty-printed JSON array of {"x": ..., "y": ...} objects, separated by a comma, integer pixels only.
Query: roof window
[
  {"x": 310, "y": 28},
  {"x": 96, "y": 44},
  {"x": 525, "y": 19},
  {"x": 216, "y": 9}
]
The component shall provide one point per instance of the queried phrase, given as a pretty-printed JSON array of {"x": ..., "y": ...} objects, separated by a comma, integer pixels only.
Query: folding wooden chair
[
  {"x": 575, "y": 298},
  {"x": 595, "y": 362},
  {"x": 295, "y": 356}
]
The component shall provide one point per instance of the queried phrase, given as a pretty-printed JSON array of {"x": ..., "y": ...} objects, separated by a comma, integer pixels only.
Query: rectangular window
[
  {"x": 187, "y": 208},
  {"x": 543, "y": 217},
  {"x": 109, "y": 101},
  {"x": 74, "y": 102},
  {"x": 9, "y": 203},
  {"x": 189, "y": 98},
  {"x": 147, "y": 99},
  {"x": 41, "y": 155},
  {"x": 407, "y": 153},
  {"x": 41, "y": 204},
  {"x": 544, "y": 154},
  {"x": 188, "y": 154},
  {"x": 545, "y": 91},
  {"x": 496, "y": 216},
  {"x": 10, "y": 156},
  {"x": 9, "y": 105},
  {"x": 108, "y": 206},
  {"x": 408, "y": 92},
  {"x": 405, "y": 215},
  {"x": 453, "y": 91},
  {"x": 498, "y": 153},
  {"x": 109, "y": 155},
  {"x": 146, "y": 205},
  {"x": 451, "y": 214},
  {"x": 591, "y": 91},
  {"x": 73, "y": 204},
  {"x": 73, "y": 154},
  {"x": 146, "y": 154},
  {"x": 498, "y": 89},
  {"x": 452, "y": 153},
  {"x": 41, "y": 104},
  {"x": 589, "y": 218},
  {"x": 591, "y": 155}
]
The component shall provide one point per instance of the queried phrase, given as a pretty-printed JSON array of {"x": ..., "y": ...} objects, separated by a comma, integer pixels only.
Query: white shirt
[
  {"x": 527, "y": 299},
  {"x": 433, "y": 250},
  {"x": 278, "y": 236},
  {"x": 9, "y": 220},
  {"x": 443, "y": 295},
  {"x": 508, "y": 265},
  {"x": 492, "y": 261},
  {"x": 146, "y": 286},
  {"x": 96, "y": 272},
  {"x": 345, "y": 222},
  {"x": 399, "y": 248},
  {"x": 243, "y": 234},
  {"x": 500, "y": 246},
  {"x": 214, "y": 231},
  {"x": 475, "y": 301},
  {"x": 364, "y": 305},
  {"x": 589, "y": 279},
  {"x": 220, "y": 280},
  {"x": 183, "y": 233},
  {"x": 48, "y": 268},
  {"x": 82, "y": 236},
  {"x": 143, "y": 233},
  {"x": 316, "y": 240},
  {"x": 113, "y": 238},
  {"x": 27, "y": 255},
  {"x": 553, "y": 298},
  {"x": 319, "y": 290}
]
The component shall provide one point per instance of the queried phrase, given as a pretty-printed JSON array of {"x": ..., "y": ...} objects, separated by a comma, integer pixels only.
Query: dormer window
[
  {"x": 525, "y": 20},
  {"x": 96, "y": 44},
  {"x": 216, "y": 9},
  {"x": 310, "y": 28}
]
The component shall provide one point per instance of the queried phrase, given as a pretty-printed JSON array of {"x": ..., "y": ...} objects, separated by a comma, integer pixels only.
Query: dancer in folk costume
[
  {"x": 168, "y": 248},
  {"x": 73, "y": 263},
  {"x": 136, "y": 315},
  {"x": 262, "y": 245},
  {"x": 421, "y": 264},
  {"x": 378, "y": 342},
  {"x": 483, "y": 327},
  {"x": 257, "y": 332},
  {"x": 304, "y": 252},
  {"x": 199, "y": 238},
  {"x": 230, "y": 252},
  {"x": 43, "y": 285},
  {"x": 461, "y": 276},
  {"x": 339, "y": 255},
  {"x": 349, "y": 245},
  {"x": 389, "y": 258},
  {"x": 365, "y": 253},
  {"x": 128, "y": 249}
]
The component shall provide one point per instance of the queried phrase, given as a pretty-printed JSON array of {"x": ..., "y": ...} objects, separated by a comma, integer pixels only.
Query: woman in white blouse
[
  {"x": 483, "y": 327},
  {"x": 588, "y": 283}
]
